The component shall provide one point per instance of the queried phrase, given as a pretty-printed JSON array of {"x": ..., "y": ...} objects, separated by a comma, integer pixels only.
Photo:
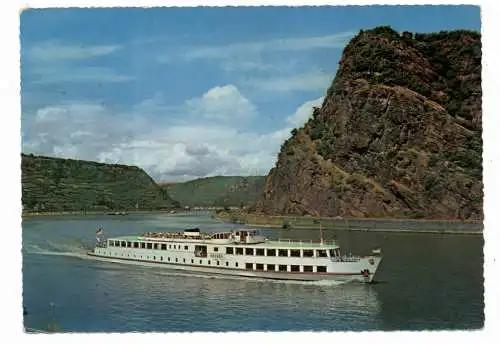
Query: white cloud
[
  {"x": 169, "y": 152},
  {"x": 51, "y": 62},
  {"x": 54, "y": 74},
  {"x": 52, "y": 51},
  {"x": 222, "y": 103},
  {"x": 304, "y": 112},
  {"x": 312, "y": 81},
  {"x": 337, "y": 40}
]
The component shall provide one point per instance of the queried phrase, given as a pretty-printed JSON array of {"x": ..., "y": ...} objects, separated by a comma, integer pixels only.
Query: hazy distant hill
[
  {"x": 53, "y": 184},
  {"x": 218, "y": 191}
]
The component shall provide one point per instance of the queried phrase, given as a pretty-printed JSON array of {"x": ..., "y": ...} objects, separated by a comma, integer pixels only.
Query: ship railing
[
  {"x": 306, "y": 242},
  {"x": 101, "y": 244},
  {"x": 160, "y": 236},
  {"x": 346, "y": 259}
]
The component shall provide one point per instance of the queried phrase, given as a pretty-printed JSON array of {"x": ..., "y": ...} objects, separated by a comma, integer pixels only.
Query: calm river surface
[{"x": 426, "y": 281}]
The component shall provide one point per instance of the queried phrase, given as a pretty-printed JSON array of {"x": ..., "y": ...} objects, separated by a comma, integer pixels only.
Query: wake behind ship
[{"x": 242, "y": 253}]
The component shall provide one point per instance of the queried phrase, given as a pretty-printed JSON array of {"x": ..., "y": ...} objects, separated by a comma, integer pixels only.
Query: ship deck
[{"x": 281, "y": 243}]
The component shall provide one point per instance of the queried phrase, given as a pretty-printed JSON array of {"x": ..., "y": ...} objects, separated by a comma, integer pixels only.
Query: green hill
[
  {"x": 53, "y": 184},
  {"x": 218, "y": 191}
]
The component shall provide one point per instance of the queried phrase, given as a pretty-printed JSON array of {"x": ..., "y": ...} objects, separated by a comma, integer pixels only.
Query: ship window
[
  {"x": 183, "y": 260},
  {"x": 169, "y": 246},
  {"x": 143, "y": 245},
  {"x": 320, "y": 253},
  {"x": 136, "y": 245},
  {"x": 117, "y": 243},
  {"x": 176, "y": 260},
  {"x": 216, "y": 249},
  {"x": 149, "y": 245},
  {"x": 229, "y": 250},
  {"x": 163, "y": 247},
  {"x": 249, "y": 251},
  {"x": 259, "y": 252},
  {"x": 218, "y": 263},
  {"x": 271, "y": 267},
  {"x": 283, "y": 253},
  {"x": 249, "y": 266},
  {"x": 155, "y": 246},
  {"x": 332, "y": 252},
  {"x": 321, "y": 269},
  {"x": 294, "y": 268},
  {"x": 175, "y": 247},
  {"x": 227, "y": 263},
  {"x": 201, "y": 262},
  {"x": 236, "y": 264},
  {"x": 154, "y": 257},
  {"x": 308, "y": 253},
  {"x": 161, "y": 258},
  {"x": 208, "y": 262},
  {"x": 186, "y": 247},
  {"x": 111, "y": 243},
  {"x": 129, "y": 244},
  {"x": 168, "y": 258},
  {"x": 282, "y": 268},
  {"x": 294, "y": 253},
  {"x": 259, "y": 266},
  {"x": 308, "y": 268},
  {"x": 192, "y": 261},
  {"x": 239, "y": 250},
  {"x": 124, "y": 244},
  {"x": 271, "y": 252},
  {"x": 200, "y": 251}
]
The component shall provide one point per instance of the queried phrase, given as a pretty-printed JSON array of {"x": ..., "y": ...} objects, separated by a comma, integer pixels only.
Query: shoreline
[
  {"x": 276, "y": 222},
  {"x": 378, "y": 230},
  {"x": 347, "y": 224},
  {"x": 83, "y": 213}
]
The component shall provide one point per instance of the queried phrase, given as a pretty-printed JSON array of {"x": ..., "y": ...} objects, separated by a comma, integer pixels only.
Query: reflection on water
[{"x": 429, "y": 282}]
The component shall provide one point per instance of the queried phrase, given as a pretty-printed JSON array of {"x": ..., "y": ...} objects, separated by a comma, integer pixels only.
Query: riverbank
[
  {"x": 83, "y": 213},
  {"x": 310, "y": 223},
  {"x": 363, "y": 225}
]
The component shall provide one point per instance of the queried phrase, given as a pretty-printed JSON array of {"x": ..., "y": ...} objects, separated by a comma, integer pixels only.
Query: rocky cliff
[
  {"x": 398, "y": 134},
  {"x": 53, "y": 184}
]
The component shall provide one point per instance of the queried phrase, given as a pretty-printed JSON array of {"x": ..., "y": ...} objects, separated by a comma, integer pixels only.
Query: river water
[{"x": 425, "y": 282}]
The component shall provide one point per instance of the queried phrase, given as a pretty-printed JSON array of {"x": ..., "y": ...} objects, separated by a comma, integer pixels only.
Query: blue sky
[{"x": 190, "y": 92}]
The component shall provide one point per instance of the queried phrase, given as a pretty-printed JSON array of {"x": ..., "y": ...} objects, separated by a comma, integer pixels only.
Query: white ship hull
[{"x": 360, "y": 269}]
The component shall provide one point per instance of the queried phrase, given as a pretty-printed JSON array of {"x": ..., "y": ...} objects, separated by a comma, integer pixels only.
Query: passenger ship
[{"x": 243, "y": 253}]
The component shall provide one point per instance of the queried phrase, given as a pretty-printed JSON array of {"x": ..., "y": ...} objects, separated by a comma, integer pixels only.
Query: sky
[{"x": 186, "y": 93}]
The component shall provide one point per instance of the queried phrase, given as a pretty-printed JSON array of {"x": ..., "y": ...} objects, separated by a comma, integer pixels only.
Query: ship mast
[{"x": 321, "y": 235}]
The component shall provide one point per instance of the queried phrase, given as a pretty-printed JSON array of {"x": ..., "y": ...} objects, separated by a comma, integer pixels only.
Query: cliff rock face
[
  {"x": 398, "y": 134},
  {"x": 53, "y": 184}
]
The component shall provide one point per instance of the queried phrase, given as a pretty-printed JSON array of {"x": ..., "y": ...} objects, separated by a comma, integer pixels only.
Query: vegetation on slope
[
  {"x": 54, "y": 184},
  {"x": 218, "y": 191}
]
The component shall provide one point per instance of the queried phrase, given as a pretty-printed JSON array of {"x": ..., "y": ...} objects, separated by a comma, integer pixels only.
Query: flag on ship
[{"x": 100, "y": 231}]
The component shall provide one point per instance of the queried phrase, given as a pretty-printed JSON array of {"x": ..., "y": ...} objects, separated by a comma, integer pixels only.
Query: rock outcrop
[{"x": 398, "y": 134}]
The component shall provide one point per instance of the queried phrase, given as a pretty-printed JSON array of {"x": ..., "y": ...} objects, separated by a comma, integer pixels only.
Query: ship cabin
[{"x": 248, "y": 237}]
